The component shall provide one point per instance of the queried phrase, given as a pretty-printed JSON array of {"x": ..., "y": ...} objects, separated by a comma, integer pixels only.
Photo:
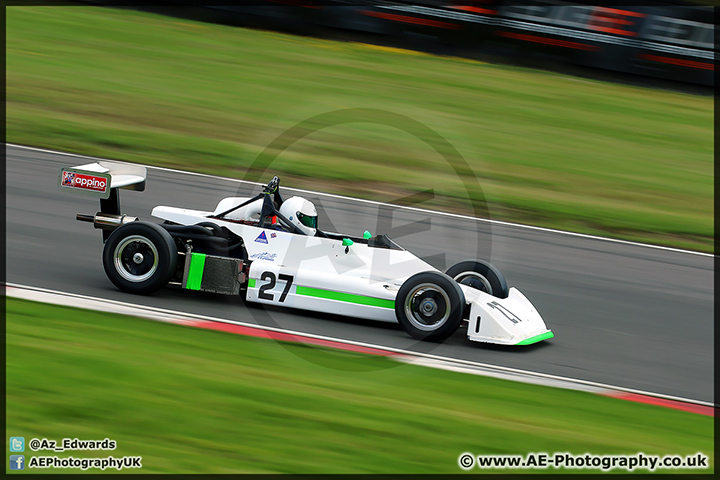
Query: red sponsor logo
[{"x": 86, "y": 182}]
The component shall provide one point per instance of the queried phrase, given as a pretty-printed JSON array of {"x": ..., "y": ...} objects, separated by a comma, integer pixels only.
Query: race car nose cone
[{"x": 138, "y": 258}]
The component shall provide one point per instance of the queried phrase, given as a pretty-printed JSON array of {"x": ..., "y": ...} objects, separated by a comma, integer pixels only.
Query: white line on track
[
  {"x": 422, "y": 210},
  {"x": 94, "y": 303}
]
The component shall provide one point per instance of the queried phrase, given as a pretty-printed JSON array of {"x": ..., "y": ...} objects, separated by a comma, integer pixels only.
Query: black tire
[
  {"x": 429, "y": 306},
  {"x": 140, "y": 257},
  {"x": 481, "y": 275}
]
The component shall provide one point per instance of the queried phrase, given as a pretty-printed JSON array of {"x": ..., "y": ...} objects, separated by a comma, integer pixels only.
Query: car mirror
[{"x": 346, "y": 243}]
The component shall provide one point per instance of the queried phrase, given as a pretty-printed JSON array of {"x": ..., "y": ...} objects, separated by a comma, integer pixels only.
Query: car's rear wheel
[
  {"x": 139, "y": 257},
  {"x": 429, "y": 306},
  {"x": 481, "y": 275}
]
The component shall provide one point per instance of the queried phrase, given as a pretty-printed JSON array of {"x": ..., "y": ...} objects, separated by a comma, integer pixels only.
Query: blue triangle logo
[{"x": 262, "y": 238}]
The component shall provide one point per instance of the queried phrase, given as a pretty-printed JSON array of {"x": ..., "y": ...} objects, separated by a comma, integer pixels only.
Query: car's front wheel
[
  {"x": 480, "y": 275},
  {"x": 139, "y": 257},
  {"x": 429, "y": 306}
]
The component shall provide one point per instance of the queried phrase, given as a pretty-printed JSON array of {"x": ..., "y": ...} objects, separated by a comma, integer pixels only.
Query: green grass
[
  {"x": 548, "y": 149},
  {"x": 190, "y": 401}
]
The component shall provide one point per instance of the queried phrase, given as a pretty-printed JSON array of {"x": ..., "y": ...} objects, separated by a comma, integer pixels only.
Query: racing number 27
[{"x": 270, "y": 278}]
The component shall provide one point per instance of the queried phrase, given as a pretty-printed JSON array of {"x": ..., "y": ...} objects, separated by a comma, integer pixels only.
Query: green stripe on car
[
  {"x": 195, "y": 273},
  {"x": 345, "y": 297},
  {"x": 537, "y": 338},
  {"x": 251, "y": 282}
]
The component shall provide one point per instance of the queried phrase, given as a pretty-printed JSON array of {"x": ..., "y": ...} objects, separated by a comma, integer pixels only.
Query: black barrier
[
  {"x": 587, "y": 35},
  {"x": 658, "y": 41},
  {"x": 677, "y": 43}
]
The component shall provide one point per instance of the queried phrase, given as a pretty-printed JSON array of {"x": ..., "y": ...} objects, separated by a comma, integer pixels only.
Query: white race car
[{"x": 271, "y": 251}]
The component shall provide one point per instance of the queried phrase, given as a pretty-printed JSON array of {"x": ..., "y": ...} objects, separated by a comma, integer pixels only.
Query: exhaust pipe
[{"x": 106, "y": 221}]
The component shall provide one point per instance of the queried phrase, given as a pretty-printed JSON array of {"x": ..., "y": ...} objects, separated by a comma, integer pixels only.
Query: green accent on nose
[
  {"x": 537, "y": 338},
  {"x": 347, "y": 242},
  {"x": 366, "y": 234}
]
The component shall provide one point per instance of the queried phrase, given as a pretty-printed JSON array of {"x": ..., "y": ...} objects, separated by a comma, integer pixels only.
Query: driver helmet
[{"x": 301, "y": 213}]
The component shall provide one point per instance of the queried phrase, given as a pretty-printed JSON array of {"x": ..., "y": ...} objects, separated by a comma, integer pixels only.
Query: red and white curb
[
  {"x": 406, "y": 356},
  {"x": 687, "y": 405}
]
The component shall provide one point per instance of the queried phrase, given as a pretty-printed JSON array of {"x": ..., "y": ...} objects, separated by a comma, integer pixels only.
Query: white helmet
[{"x": 301, "y": 213}]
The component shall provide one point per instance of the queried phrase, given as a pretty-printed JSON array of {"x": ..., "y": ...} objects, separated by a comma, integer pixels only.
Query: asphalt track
[{"x": 623, "y": 314}]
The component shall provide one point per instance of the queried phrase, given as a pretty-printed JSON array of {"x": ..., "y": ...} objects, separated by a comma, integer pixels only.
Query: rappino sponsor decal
[
  {"x": 86, "y": 182},
  {"x": 261, "y": 238}
]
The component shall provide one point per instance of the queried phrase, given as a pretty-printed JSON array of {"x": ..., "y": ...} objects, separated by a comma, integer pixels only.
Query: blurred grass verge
[
  {"x": 548, "y": 149},
  {"x": 198, "y": 401}
]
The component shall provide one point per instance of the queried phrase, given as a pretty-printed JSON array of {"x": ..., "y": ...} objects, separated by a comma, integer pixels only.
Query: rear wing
[
  {"x": 103, "y": 180},
  {"x": 100, "y": 178}
]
